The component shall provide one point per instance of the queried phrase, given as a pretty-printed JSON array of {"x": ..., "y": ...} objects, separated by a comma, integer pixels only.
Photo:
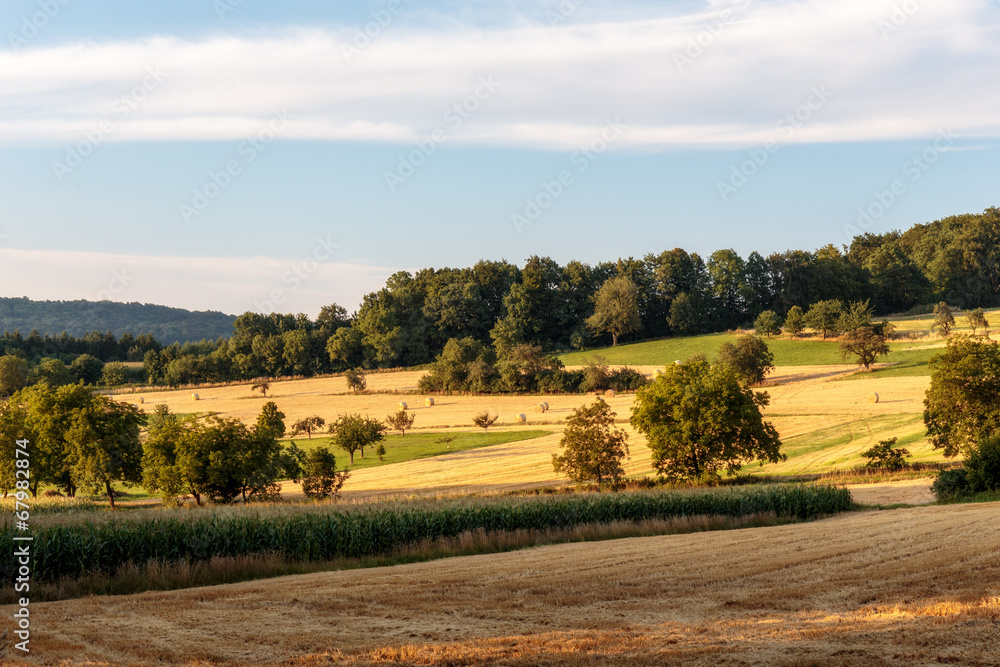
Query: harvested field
[
  {"x": 328, "y": 398},
  {"x": 901, "y": 587},
  {"x": 826, "y": 424},
  {"x": 909, "y": 492}
]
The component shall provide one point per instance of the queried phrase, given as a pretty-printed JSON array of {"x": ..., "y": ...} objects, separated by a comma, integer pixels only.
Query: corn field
[{"x": 89, "y": 547}]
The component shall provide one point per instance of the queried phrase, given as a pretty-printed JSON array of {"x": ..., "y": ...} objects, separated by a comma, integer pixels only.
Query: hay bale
[
  {"x": 677, "y": 362},
  {"x": 610, "y": 393},
  {"x": 141, "y": 400},
  {"x": 194, "y": 397},
  {"x": 429, "y": 401},
  {"x": 600, "y": 398},
  {"x": 402, "y": 405},
  {"x": 521, "y": 418},
  {"x": 546, "y": 404},
  {"x": 541, "y": 407},
  {"x": 873, "y": 398}
]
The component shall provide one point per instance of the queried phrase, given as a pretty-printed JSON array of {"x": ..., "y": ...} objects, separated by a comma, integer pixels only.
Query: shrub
[
  {"x": 356, "y": 380},
  {"x": 627, "y": 379},
  {"x": 484, "y": 420},
  {"x": 595, "y": 375},
  {"x": 950, "y": 484},
  {"x": 883, "y": 455},
  {"x": 983, "y": 466}
]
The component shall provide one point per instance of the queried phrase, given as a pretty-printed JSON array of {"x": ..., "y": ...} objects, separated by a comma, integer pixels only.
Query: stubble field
[
  {"x": 825, "y": 423},
  {"x": 902, "y": 587}
]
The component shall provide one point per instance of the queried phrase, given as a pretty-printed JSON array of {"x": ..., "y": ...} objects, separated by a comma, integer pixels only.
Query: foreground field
[{"x": 901, "y": 587}]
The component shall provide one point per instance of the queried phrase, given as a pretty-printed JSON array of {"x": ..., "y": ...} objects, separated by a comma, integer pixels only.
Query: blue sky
[{"x": 216, "y": 154}]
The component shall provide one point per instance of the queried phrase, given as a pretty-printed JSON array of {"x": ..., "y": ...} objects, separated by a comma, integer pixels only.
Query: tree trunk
[
  {"x": 614, "y": 340},
  {"x": 111, "y": 493},
  {"x": 352, "y": 457}
]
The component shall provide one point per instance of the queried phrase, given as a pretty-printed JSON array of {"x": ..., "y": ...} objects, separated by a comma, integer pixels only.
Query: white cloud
[
  {"x": 231, "y": 285},
  {"x": 722, "y": 76}
]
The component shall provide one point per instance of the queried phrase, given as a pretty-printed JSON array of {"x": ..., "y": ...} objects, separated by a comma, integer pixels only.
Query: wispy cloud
[
  {"x": 232, "y": 285},
  {"x": 560, "y": 83}
]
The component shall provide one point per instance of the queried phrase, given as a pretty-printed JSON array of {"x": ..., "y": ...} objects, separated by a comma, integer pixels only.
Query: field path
[{"x": 900, "y": 587}]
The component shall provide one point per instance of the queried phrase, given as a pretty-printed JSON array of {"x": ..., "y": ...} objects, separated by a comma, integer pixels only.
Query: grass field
[
  {"x": 838, "y": 441},
  {"x": 787, "y": 352},
  {"x": 824, "y": 423},
  {"x": 401, "y": 448},
  {"x": 900, "y": 587}
]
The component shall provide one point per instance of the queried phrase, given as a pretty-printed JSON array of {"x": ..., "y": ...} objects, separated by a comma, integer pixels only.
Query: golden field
[
  {"x": 900, "y": 587},
  {"x": 806, "y": 402}
]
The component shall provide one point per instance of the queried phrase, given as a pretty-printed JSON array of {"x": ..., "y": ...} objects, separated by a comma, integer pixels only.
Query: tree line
[
  {"x": 499, "y": 305},
  {"x": 83, "y": 440},
  {"x": 76, "y": 318},
  {"x": 410, "y": 320}
]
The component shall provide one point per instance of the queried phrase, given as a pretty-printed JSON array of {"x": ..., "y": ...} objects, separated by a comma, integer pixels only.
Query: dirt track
[{"x": 900, "y": 587}]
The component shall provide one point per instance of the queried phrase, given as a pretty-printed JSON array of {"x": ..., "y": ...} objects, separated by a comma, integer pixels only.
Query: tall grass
[{"x": 79, "y": 549}]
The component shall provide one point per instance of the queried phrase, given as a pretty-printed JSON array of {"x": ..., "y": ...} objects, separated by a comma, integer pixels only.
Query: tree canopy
[
  {"x": 592, "y": 447},
  {"x": 961, "y": 405},
  {"x": 699, "y": 420}
]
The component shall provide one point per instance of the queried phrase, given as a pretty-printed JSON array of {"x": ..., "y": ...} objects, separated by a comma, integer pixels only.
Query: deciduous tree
[
  {"x": 484, "y": 420},
  {"x": 767, "y": 324},
  {"x": 616, "y": 309},
  {"x": 593, "y": 449},
  {"x": 750, "y": 357},
  {"x": 699, "y": 420},
  {"x": 307, "y": 425},
  {"x": 103, "y": 445},
  {"x": 353, "y": 433},
  {"x": 961, "y": 406},
  {"x": 824, "y": 315},
  {"x": 944, "y": 320},
  {"x": 400, "y": 421}
]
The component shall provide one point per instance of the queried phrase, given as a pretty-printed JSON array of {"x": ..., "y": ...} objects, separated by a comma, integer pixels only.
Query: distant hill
[{"x": 167, "y": 325}]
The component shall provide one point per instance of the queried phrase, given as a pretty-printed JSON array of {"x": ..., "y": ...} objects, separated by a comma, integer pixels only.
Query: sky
[{"x": 241, "y": 155}]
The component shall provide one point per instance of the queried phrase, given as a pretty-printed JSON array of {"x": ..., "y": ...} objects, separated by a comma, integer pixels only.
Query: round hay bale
[
  {"x": 541, "y": 407},
  {"x": 402, "y": 405},
  {"x": 600, "y": 398},
  {"x": 521, "y": 418},
  {"x": 141, "y": 399},
  {"x": 194, "y": 397},
  {"x": 429, "y": 401},
  {"x": 610, "y": 393},
  {"x": 873, "y": 398},
  {"x": 546, "y": 404},
  {"x": 677, "y": 362}
]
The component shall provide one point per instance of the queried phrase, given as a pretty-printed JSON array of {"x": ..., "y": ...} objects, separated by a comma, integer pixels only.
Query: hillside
[
  {"x": 901, "y": 587},
  {"x": 166, "y": 324}
]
